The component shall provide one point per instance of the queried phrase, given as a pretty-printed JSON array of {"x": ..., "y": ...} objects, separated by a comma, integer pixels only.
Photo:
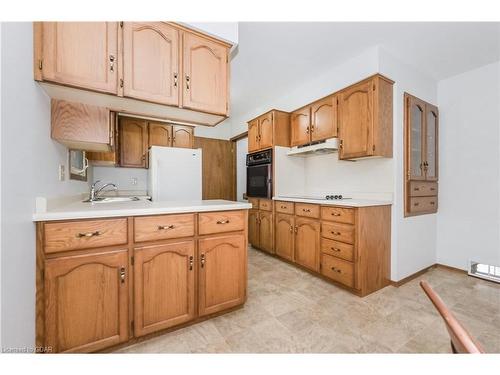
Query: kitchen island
[{"x": 112, "y": 273}]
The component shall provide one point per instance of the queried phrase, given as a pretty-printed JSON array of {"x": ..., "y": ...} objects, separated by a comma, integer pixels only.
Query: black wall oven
[{"x": 259, "y": 174}]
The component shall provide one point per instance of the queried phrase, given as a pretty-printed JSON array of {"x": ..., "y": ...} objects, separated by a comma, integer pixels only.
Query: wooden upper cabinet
[
  {"x": 182, "y": 136},
  {"x": 253, "y": 135},
  {"x": 365, "y": 119},
  {"x": 79, "y": 54},
  {"x": 86, "y": 301},
  {"x": 307, "y": 237},
  {"x": 431, "y": 142},
  {"x": 415, "y": 134},
  {"x": 284, "y": 236},
  {"x": 300, "y": 126},
  {"x": 324, "y": 119},
  {"x": 151, "y": 62},
  {"x": 164, "y": 285},
  {"x": 266, "y": 131},
  {"x": 205, "y": 70},
  {"x": 133, "y": 134},
  {"x": 222, "y": 273},
  {"x": 160, "y": 134}
]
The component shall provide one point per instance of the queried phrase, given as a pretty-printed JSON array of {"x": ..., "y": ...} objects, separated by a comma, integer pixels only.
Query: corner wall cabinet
[
  {"x": 269, "y": 130},
  {"x": 102, "y": 282},
  {"x": 158, "y": 69},
  {"x": 421, "y": 156}
]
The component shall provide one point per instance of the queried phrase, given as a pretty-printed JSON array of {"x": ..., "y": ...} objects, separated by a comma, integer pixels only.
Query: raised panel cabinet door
[
  {"x": 253, "y": 228},
  {"x": 222, "y": 272},
  {"x": 164, "y": 286},
  {"x": 431, "y": 142},
  {"x": 182, "y": 136},
  {"x": 81, "y": 54},
  {"x": 205, "y": 81},
  {"x": 300, "y": 123},
  {"x": 284, "y": 233},
  {"x": 133, "y": 136},
  {"x": 307, "y": 237},
  {"x": 266, "y": 226},
  {"x": 266, "y": 131},
  {"x": 324, "y": 119},
  {"x": 151, "y": 62},
  {"x": 86, "y": 301},
  {"x": 356, "y": 121},
  {"x": 415, "y": 129},
  {"x": 253, "y": 136},
  {"x": 160, "y": 134}
]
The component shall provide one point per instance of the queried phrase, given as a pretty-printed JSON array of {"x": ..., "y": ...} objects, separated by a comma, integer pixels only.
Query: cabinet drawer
[
  {"x": 337, "y": 269},
  {"x": 266, "y": 204},
  {"x": 423, "y": 204},
  {"x": 422, "y": 188},
  {"x": 338, "y": 214},
  {"x": 254, "y": 202},
  {"x": 338, "y": 249},
  {"x": 308, "y": 210},
  {"x": 284, "y": 207},
  {"x": 218, "y": 222},
  {"x": 86, "y": 234},
  {"x": 338, "y": 232},
  {"x": 163, "y": 227}
]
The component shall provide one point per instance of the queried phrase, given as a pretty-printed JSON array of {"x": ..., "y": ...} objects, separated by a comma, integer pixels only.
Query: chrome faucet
[{"x": 94, "y": 193}]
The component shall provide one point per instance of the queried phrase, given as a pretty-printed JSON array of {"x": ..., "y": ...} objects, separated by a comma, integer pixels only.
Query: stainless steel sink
[{"x": 114, "y": 199}]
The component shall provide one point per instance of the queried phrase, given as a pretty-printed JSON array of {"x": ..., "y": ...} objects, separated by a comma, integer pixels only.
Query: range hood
[{"x": 322, "y": 147}]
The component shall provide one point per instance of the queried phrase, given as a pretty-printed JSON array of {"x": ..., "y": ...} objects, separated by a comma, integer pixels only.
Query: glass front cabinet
[{"x": 421, "y": 156}]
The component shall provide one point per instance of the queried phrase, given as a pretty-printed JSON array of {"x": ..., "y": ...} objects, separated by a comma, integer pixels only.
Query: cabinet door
[
  {"x": 284, "y": 236},
  {"x": 182, "y": 136},
  {"x": 164, "y": 286},
  {"x": 356, "y": 121},
  {"x": 133, "y": 135},
  {"x": 307, "y": 234},
  {"x": 266, "y": 225},
  {"x": 253, "y": 135},
  {"x": 431, "y": 142},
  {"x": 151, "y": 62},
  {"x": 86, "y": 301},
  {"x": 300, "y": 122},
  {"x": 81, "y": 54},
  {"x": 253, "y": 228},
  {"x": 324, "y": 119},
  {"x": 266, "y": 131},
  {"x": 415, "y": 128},
  {"x": 160, "y": 134},
  {"x": 222, "y": 276},
  {"x": 205, "y": 74}
]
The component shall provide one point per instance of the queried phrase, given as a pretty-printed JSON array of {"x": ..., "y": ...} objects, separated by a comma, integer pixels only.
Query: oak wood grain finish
[
  {"x": 182, "y": 136},
  {"x": 221, "y": 221},
  {"x": 284, "y": 236},
  {"x": 133, "y": 139},
  {"x": 254, "y": 202},
  {"x": 338, "y": 232},
  {"x": 337, "y": 249},
  {"x": 160, "y": 134},
  {"x": 253, "y": 228},
  {"x": 253, "y": 136},
  {"x": 284, "y": 207},
  {"x": 307, "y": 243},
  {"x": 86, "y": 298},
  {"x": 86, "y": 234},
  {"x": 164, "y": 286},
  {"x": 337, "y": 269},
  {"x": 266, "y": 123},
  {"x": 307, "y": 210},
  {"x": 324, "y": 118},
  {"x": 162, "y": 227},
  {"x": 300, "y": 126},
  {"x": 265, "y": 204},
  {"x": 266, "y": 231},
  {"x": 423, "y": 204},
  {"x": 338, "y": 214},
  {"x": 268, "y": 130},
  {"x": 422, "y": 188}
]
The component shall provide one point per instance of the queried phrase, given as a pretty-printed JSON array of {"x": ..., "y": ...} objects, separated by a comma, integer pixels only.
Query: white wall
[
  {"x": 469, "y": 185},
  {"x": 122, "y": 177},
  {"x": 29, "y": 168}
]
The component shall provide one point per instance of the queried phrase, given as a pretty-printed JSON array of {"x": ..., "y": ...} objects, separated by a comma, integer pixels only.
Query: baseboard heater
[{"x": 485, "y": 271}]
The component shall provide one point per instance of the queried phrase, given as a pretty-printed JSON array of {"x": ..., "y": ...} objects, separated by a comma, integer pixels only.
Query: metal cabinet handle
[
  {"x": 175, "y": 79},
  {"x": 306, "y": 210},
  {"x": 164, "y": 227},
  {"x": 416, "y": 204},
  {"x": 336, "y": 270},
  {"x": 416, "y": 189},
  {"x": 187, "y": 82},
  {"x": 223, "y": 222},
  {"x": 432, "y": 189},
  {"x": 307, "y": 130},
  {"x": 432, "y": 203},
  {"x": 335, "y": 214},
  {"x": 202, "y": 260},
  {"x": 335, "y": 233},
  {"x": 283, "y": 207},
  {"x": 89, "y": 234},
  {"x": 190, "y": 262},
  {"x": 122, "y": 274},
  {"x": 296, "y": 229},
  {"x": 291, "y": 228},
  {"x": 111, "y": 63},
  {"x": 335, "y": 249}
]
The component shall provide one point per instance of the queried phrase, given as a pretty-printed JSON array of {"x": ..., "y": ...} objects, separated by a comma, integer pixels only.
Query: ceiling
[{"x": 271, "y": 55}]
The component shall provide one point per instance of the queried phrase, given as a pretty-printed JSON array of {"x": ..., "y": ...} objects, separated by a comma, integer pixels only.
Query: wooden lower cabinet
[
  {"x": 253, "y": 228},
  {"x": 307, "y": 236},
  {"x": 164, "y": 286},
  {"x": 222, "y": 273},
  {"x": 266, "y": 226},
  {"x": 284, "y": 232},
  {"x": 86, "y": 301}
]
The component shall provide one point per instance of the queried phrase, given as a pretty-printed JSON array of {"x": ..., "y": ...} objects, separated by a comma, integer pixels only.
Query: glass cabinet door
[
  {"x": 415, "y": 134},
  {"x": 431, "y": 132}
]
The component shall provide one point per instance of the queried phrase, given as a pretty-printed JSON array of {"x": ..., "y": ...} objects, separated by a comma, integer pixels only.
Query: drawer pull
[
  {"x": 164, "y": 227},
  {"x": 89, "y": 234},
  {"x": 202, "y": 260},
  {"x": 306, "y": 210},
  {"x": 291, "y": 228},
  {"x": 223, "y": 222},
  {"x": 336, "y": 270},
  {"x": 335, "y": 249},
  {"x": 335, "y": 214},
  {"x": 432, "y": 203},
  {"x": 416, "y": 204},
  {"x": 190, "y": 262},
  {"x": 432, "y": 189},
  {"x": 335, "y": 233},
  {"x": 416, "y": 189},
  {"x": 122, "y": 274},
  {"x": 283, "y": 207}
]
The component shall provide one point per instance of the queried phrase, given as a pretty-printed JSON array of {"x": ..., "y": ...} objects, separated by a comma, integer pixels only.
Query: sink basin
[{"x": 115, "y": 199}]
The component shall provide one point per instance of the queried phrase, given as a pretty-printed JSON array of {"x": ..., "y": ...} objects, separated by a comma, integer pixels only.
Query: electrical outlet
[
  {"x": 61, "y": 172},
  {"x": 133, "y": 180}
]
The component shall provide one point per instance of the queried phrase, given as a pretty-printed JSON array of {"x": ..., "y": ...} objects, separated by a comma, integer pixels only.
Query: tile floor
[{"x": 291, "y": 311}]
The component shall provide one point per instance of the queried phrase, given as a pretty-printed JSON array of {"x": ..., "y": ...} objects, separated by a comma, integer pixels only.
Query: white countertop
[
  {"x": 354, "y": 202},
  {"x": 81, "y": 210}
]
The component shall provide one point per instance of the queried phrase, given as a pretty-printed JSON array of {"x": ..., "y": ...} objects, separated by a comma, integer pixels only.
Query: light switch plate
[
  {"x": 61, "y": 172},
  {"x": 133, "y": 180}
]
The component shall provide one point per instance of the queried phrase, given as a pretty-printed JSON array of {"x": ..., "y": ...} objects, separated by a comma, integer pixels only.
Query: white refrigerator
[{"x": 174, "y": 174}]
